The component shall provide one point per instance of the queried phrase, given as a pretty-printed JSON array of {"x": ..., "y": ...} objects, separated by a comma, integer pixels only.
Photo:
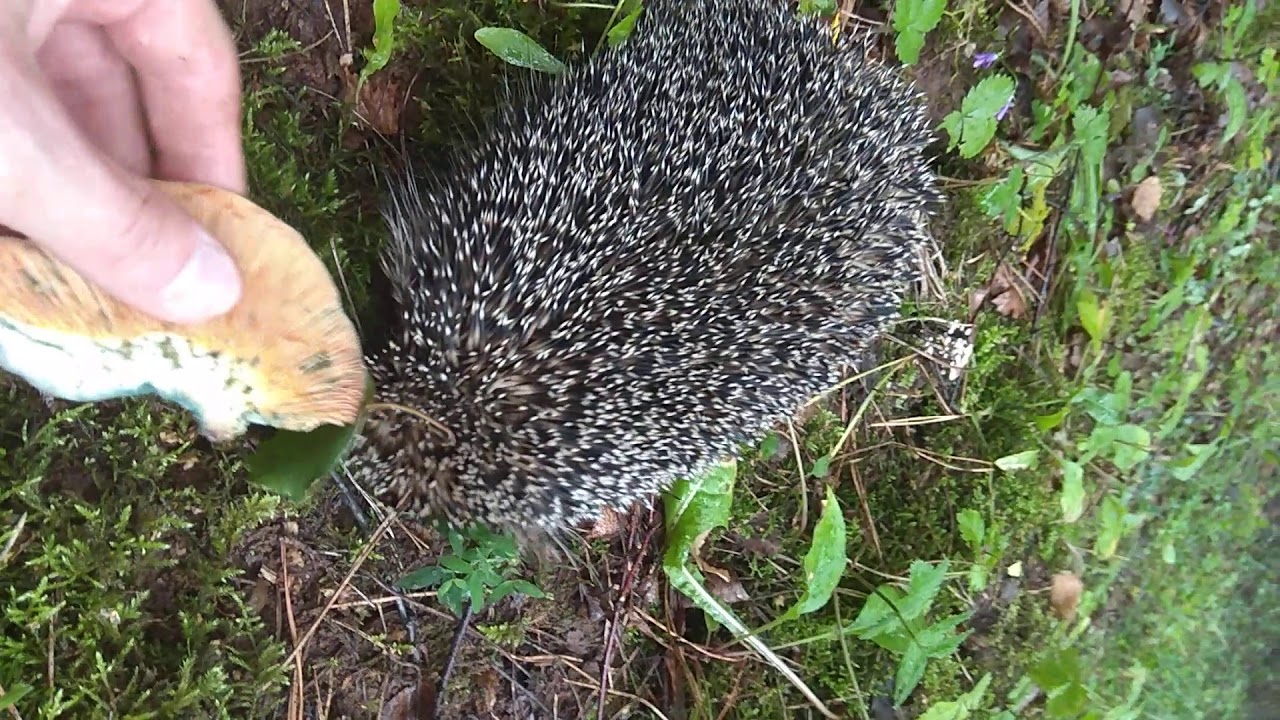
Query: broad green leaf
[
  {"x": 13, "y": 694},
  {"x": 939, "y": 639},
  {"x": 1050, "y": 422},
  {"x": 978, "y": 574},
  {"x": 821, "y": 466},
  {"x": 1090, "y": 126},
  {"x": 878, "y": 617},
  {"x": 518, "y": 49},
  {"x": 475, "y": 591},
  {"x": 1027, "y": 459},
  {"x": 912, "y": 20},
  {"x": 1110, "y": 527},
  {"x": 384, "y": 20},
  {"x": 825, "y": 562},
  {"x": 1091, "y": 314},
  {"x": 1132, "y": 445},
  {"x": 910, "y": 670},
  {"x": 922, "y": 588},
  {"x": 1072, "y": 491},
  {"x": 1059, "y": 668},
  {"x": 974, "y": 124},
  {"x": 423, "y": 577},
  {"x": 821, "y": 8},
  {"x": 694, "y": 508},
  {"x": 1067, "y": 702},
  {"x": 961, "y": 707},
  {"x": 1004, "y": 200},
  {"x": 907, "y": 45},
  {"x": 622, "y": 29},
  {"x": 289, "y": 462},
  {"x": 972, "y": 527}
]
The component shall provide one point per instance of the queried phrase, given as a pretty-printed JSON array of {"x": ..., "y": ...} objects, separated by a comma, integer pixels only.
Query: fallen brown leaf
[
  {"x": 607, "y": 525},
  {"x": 1064, "y": 595},
  {"x": 1005, "y": 293},
  {"x": 1146, "y": 198},
  {"x": 727, "y": 591}
]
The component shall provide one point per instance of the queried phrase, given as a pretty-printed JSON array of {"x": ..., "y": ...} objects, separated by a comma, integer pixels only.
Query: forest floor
[{"x": 1080, "y": 524}]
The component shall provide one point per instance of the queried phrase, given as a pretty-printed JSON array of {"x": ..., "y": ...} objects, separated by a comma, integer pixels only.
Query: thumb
[{"x": 118, "y": 231}]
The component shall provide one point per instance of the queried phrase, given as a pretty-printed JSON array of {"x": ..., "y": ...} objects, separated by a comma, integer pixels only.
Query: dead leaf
[
  {"x": 1064, "y": 595},
  {"x": 402, "y": 706},
  {"x": 1135, "y": 11},
  {"x": 1005, "y": 293},
  {"x": 1146, "y": 198},
  {"x": 607, "y": 525},
  {"x": 727, "y": 591}
]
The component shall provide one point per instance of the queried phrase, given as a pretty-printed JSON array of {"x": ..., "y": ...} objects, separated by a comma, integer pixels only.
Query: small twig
[
  {"x": 622, "y": 602},
  {"x": 364, "y": 555},
  {"x": 458, "y": 634},
  {"x": 794, "y": 437},
  {"x": 297, "y": 698}
]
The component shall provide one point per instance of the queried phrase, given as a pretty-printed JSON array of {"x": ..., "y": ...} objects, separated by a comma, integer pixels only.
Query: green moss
[{"x": 117, "y": 598}]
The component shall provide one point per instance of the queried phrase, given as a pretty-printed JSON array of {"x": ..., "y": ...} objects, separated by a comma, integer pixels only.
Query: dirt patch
[{"x": 519, "y": 659}]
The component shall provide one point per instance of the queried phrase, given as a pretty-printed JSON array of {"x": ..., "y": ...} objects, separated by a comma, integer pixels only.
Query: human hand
[{"x": 89, "y": 88}]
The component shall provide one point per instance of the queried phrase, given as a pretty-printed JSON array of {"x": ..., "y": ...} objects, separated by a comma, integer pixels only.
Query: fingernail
[{"x": 207, "y": 286}]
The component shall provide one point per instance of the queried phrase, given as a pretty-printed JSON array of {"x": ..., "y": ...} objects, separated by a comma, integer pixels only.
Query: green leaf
[
  {"x": 1072, "y": 491},
  {"x": 518, "y": 49},
  {"x": 825, "y": 562},
  {"x": 1024, "y": 460},
  {"x": 475, "y": 590},
  {"x": 13, "y": 694},
  {"x": 978, "y": 574},
  {"x": 1090, "y": 127},
  {"x": 289, "y": 462},
  {"x": 878, "y": 618},
  {"x": 1092, "y": 316},
  {"x": 821, "y": 8},
  {"x": 693, "y": 509},
  {"x": 972, "y": 527},
  {"x": 1111, "y": 527},
  {"x": 1004, "y": 199},
  {"x": 1132, "y": 445},
  {"x": 821, "y": 466},
  {"x": 769, "y": 447},
  {"x": 384, "y": 20},
  {"x": 1048, "y": 422},
  {"x": 974, "y": 124},
  {"x": 423, "y": 577},
  {"x": 924, "y": 584},
  {"x": 877, "y": 615},
  {"x": 910, "y": 670},
  {"x": 1058, "y": 669},
  {"x": 456, "y": 564},
  {"x": 913, "y": 19},
  {"x": 939, "y": 640},
  {"x": 622, "y": 29},
  {"x": 959, "y": 708}
]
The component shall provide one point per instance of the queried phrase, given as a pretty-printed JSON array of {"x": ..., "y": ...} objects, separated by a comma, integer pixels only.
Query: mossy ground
[{"x": 144, "y": 577}]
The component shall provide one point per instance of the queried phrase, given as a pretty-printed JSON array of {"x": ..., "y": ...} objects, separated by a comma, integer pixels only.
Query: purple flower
[
  {"x": 1004, "y": 110},
  {"x": 985, "y": 59}
]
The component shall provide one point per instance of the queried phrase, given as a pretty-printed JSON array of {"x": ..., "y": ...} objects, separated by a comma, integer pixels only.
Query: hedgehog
[{"x": 644, "y": 265}]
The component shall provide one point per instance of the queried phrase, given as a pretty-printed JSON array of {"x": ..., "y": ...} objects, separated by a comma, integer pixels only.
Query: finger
[
  {"x": 97, "y": 89},
  {"x": 118, "y": 231},
  {"x": 189, "y": 75}
]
